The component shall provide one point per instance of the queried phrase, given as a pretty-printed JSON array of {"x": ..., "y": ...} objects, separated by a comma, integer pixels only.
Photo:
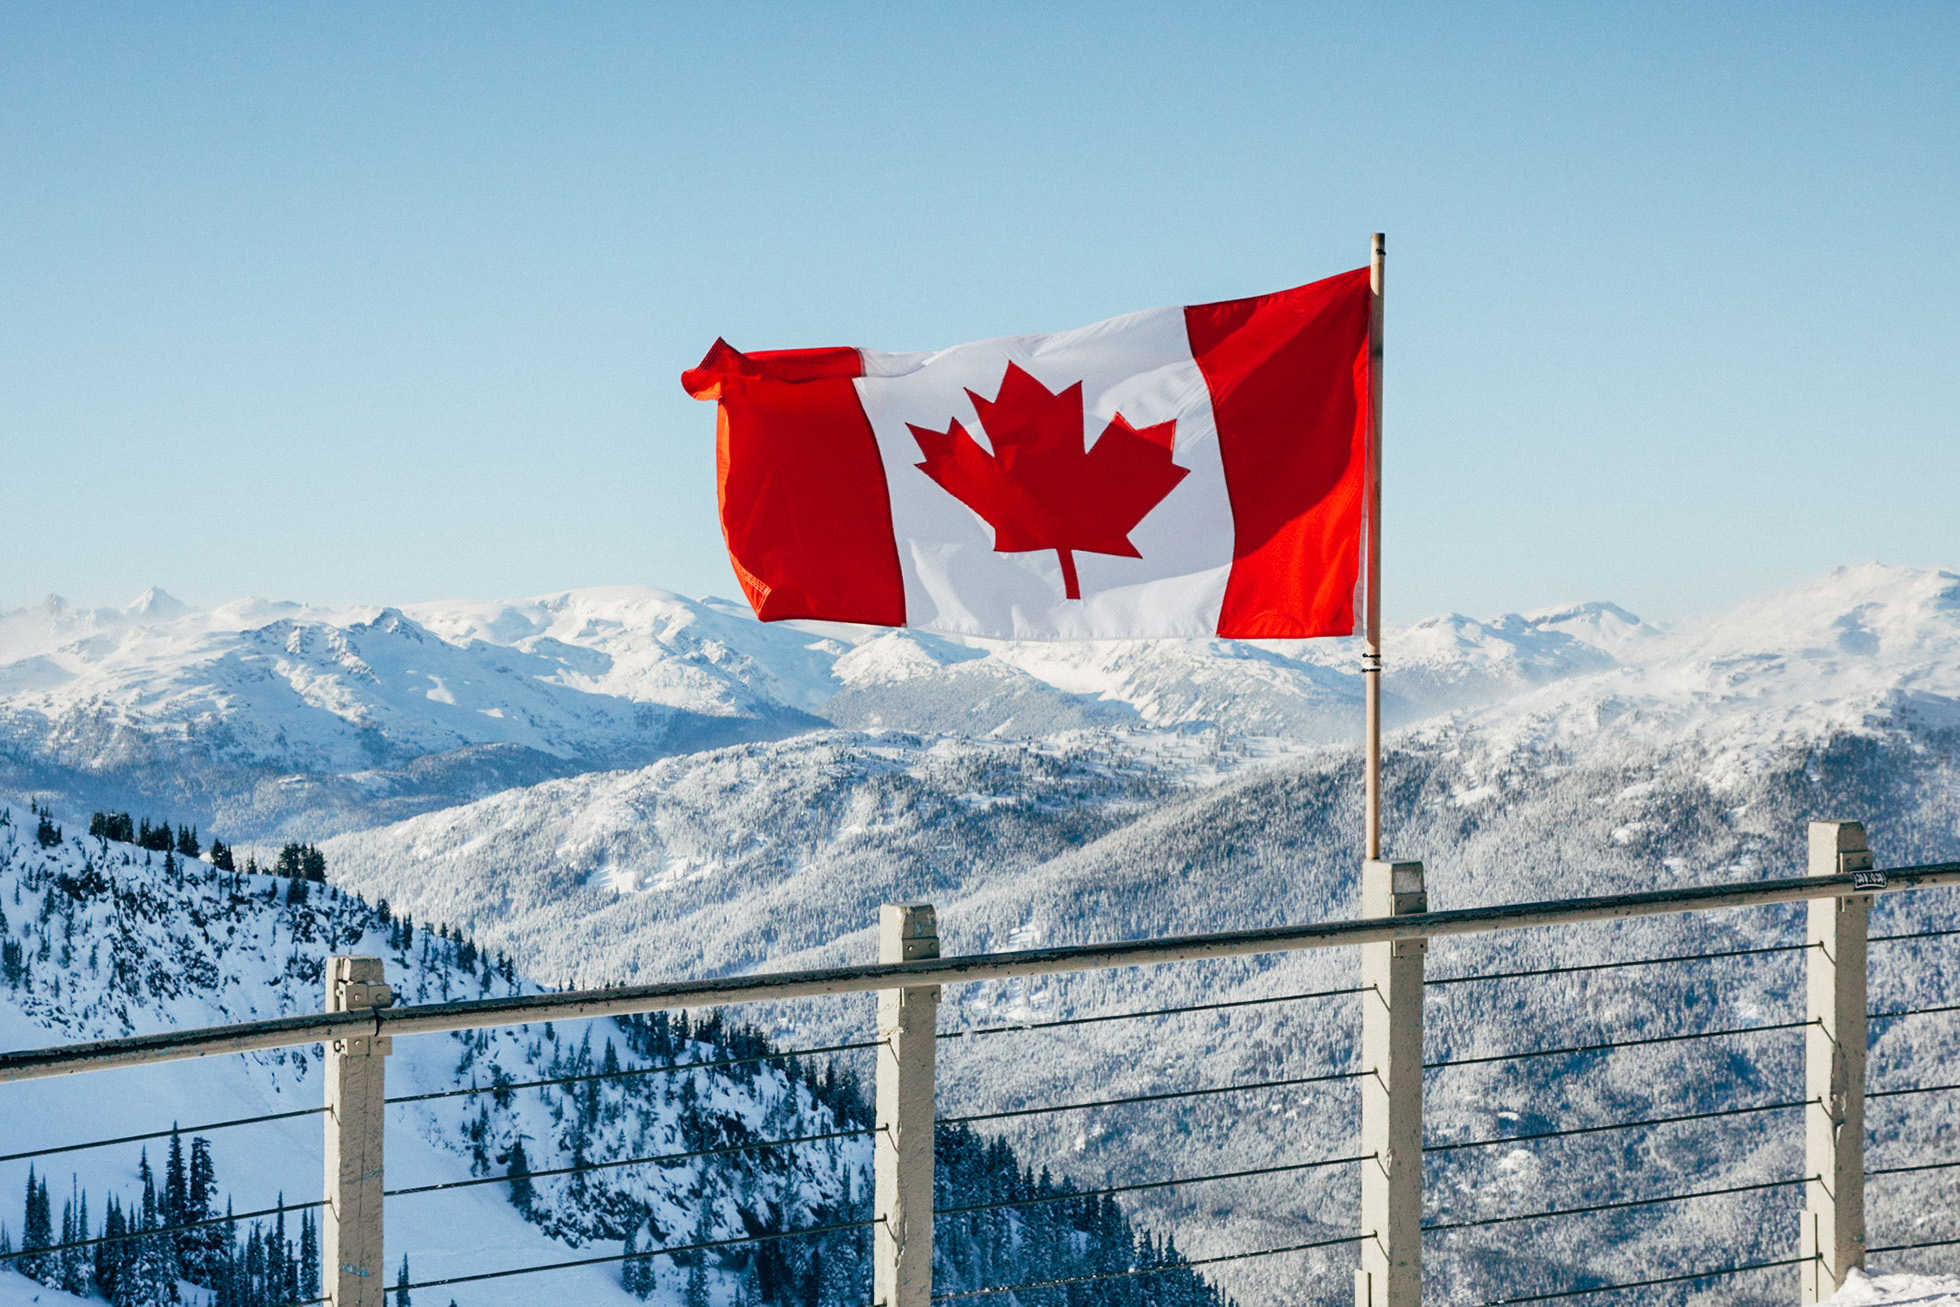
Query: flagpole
[{"x": 1371, "y": 648}]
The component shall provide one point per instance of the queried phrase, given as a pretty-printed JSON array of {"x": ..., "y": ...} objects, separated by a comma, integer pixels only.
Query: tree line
[
  {"x": 295, "y": 861},
  {"x": 169, "y": 1233}
]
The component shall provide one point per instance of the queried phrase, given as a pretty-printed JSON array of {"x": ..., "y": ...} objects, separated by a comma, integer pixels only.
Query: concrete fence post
[
  {"x": 908, "y": 1021},
  {"x": 351, "y": 1230},
  {"x": 1833, "y": 1231},
  {"x": 1390, "y": 1274}
]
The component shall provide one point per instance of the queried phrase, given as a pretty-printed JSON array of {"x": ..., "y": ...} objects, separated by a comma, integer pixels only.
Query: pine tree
[
  {"x": 176, "y": 1181},
  {"x": 36, "y": 1228},
  {"x": 696, "y": 1294},
  {"x": 110, "y": 1253},
  {"x": 149, "y": 1278},
  {"x": 221, "y": 857},
  {"x": 522, "y": 1195},
  {"x": 279, "y": 1258},
  {"x": 629, "y": 1269},
  {"x": 401, "y": 1285},
  {"x": 75, "y": 1262},
  {"x": 309, "y": 1258}
]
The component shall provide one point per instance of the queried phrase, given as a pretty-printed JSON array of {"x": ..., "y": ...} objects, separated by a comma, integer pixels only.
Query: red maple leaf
[{"x": 1040, "y": 488}]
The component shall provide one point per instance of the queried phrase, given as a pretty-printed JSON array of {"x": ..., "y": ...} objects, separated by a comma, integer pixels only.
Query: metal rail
[
  {"x": 1152, "y": 1098},
  {"x": 1628, "y": 1125},
  {"x": 637, "y": 1255},
  {"x": 437, "y": 1018},
  {"x": 1646, "y": 1284},
  {"x": 1150, "y": 1270}
]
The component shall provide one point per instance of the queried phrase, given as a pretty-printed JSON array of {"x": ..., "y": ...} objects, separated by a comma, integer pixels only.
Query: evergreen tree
[
  {"x": 109, "y": 1254},
  {"x": 187, "y": 841},
  {"x": 401, "y": 1285},
  {"x": 629, "y": 1269},
  {"x": 149, "y": 1278},
  {"x": 36, "y": 1228},
  {"x": 696, "y": 1293},
  {"x": 176, "y": 1181},
  {"x": 75, "y": 1261},
  {"x": 47, "y": 834},
  {"x": 279, "y": 1258},
  {"x": 252, "y": 1283},
  {"x": 221, "y": 857},
  {"x": 522, "y": 1195},
  {"x": 309, "y": 1258}
]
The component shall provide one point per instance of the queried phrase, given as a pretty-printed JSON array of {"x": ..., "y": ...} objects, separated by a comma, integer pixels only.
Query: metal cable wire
[
  {"x": 1616, "y": 1206},
  {"x": 1150, "y": 1184},
  {"x": 1901, "y": 1170},
  {"x": 1900, "y": 1093},
  {"x": 1911, "y": 1012},
  {"x": 1154, "y": 1012},
  {"x": 1621, "y": 1125},
  {"x": 1609, "y": 966},
  {"x": 1644, "y": 1284},
  {"x": 636, "y": 1255},
  {"x": 1902, "y": 1247},
  {"x": 1149, "y": 1270},
  {"x": 1150, "y": 1098},
  {"x": 636, "y": 1071},
  {"x": 630, "y": 1161},
  {"x": 1619, "y": 1043},
  {"x": 168, "y": 1229},
  {"x": 160, "y": 1134},
  {"x": 1917, "y": 934}
]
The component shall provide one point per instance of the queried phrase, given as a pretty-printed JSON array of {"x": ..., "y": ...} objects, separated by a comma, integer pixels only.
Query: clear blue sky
[{"x": 388, "y": 302}]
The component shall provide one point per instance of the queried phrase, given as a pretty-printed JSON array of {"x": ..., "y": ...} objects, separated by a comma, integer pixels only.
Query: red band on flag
[
  {"x": 1288, "y": 375},
  {"x": 804, "y": 505}
]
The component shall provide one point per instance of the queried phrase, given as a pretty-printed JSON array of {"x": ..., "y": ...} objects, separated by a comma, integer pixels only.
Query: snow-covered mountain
[
  {"x": 104, "y": 939},
  {"x": 1625, "y": 760},
  {"x": 1058, "y": 793},
  {"x": 260, "y": 718}
]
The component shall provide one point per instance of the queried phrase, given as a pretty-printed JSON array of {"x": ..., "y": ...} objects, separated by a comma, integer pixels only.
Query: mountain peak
[{"x": 156, "y": 604}]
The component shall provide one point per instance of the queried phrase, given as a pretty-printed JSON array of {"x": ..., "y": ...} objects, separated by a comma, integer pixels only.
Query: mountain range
[{"x": 625, "y": 785}]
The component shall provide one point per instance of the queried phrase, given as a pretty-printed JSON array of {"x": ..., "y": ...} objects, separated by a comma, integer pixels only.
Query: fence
[{"x": 361, "y": 1021}]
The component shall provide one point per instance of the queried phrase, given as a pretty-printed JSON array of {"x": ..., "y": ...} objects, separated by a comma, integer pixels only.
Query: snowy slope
[
  {"x": 256, "y": 717},
  {"x": 1687, "y": 757},
  {"x": 136, "y": 944},
  {"x": 104, "y": 939}
]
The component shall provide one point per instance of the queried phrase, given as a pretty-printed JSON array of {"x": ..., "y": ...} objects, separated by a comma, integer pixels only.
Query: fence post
[
  {"x": 1833, "y": 1230},
  {"x": 351, "y": 1230},
  {"x": 908, "y": 1021},
  {"x": 1390, "y": 1274}
]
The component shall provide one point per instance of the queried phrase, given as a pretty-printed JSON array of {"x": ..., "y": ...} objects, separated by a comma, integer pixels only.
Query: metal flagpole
[{"x": 1371, "y": 649}]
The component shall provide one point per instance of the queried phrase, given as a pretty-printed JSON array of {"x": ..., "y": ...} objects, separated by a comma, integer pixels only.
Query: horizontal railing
[{"x": 475, "y": 1014}]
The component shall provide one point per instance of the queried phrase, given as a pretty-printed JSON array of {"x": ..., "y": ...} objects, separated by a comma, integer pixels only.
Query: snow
[
  {"x": 180, "y": 944},
  {"x": 1863, "y": 1290},
  {"x": 1062, "y": 793},
  {"x": 379, "y": 712}
]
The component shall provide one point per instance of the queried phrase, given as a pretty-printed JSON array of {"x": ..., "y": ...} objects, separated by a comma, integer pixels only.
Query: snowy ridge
[{"x": 269, "y": 717}]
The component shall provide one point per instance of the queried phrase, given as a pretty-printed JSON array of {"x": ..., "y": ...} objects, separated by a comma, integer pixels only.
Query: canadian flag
[{"x": 1175, "y": 472}]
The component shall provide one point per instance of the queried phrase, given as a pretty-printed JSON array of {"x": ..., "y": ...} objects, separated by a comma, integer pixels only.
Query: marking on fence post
[
  {"x": 351, "y": 1229},
  {"x": 908, "y": 1021},
  {"x": 1833, "y": 1229},
  {"x": 1390, "y": 1274}
]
